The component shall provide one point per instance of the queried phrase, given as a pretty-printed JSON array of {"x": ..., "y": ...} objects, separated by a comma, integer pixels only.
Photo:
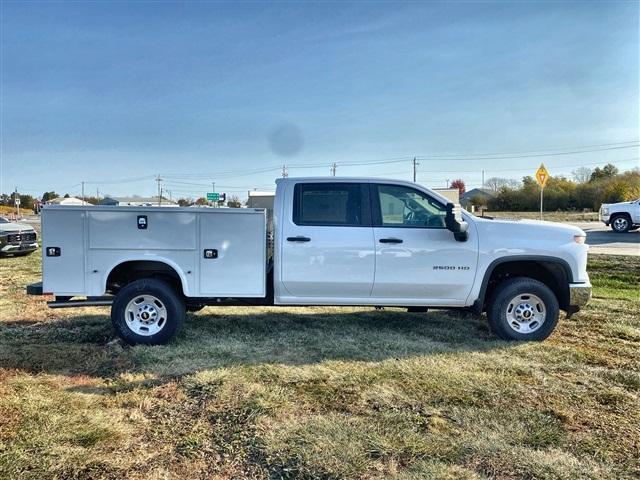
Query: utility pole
[
  {"x": 16, "y": 201},
  {"x": 83, "y": 202},
  {"x": 98, "y": 195},
  {"x": 285, "y": 174},
  {"x": 333, "y": 169},
  {"x": 447, "y": 184},
  {"x": 415, "y": 164},
  {"x": 213, "y": 190},
  {"x": 158, "y": 179}
]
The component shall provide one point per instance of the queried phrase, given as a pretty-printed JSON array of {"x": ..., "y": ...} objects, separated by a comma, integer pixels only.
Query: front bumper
[
  {"x": 579, "y": 295},
  {"x": 18, "y": 247}
]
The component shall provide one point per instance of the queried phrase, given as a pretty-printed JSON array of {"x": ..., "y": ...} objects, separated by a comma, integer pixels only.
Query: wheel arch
[
  {"x": 552, "y": 271},
  {"x": 131, "y": 269}
]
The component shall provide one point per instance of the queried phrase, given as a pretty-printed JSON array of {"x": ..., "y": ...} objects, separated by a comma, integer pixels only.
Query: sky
[{"x": 114, "y": 93}]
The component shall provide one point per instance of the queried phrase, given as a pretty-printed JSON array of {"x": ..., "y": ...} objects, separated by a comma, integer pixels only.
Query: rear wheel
[
  {"x": 147, "y": 311},
  {"x": 523, "y": 309},
  {"x": 621, "y": 223}
]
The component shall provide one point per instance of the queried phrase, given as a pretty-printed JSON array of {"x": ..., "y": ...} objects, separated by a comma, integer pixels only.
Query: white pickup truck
[
  {"x": 623, "y": 216},
  {"x": 334, "y": 241}
]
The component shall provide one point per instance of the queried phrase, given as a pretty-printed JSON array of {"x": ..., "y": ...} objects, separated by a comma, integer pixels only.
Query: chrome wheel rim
[
  {"x": 620, "y": 223},
  {"x": 145, "y": 315},
  {"x": 526, "y": 313}
]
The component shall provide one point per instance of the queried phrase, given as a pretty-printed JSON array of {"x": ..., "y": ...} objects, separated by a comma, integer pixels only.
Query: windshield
[{"x": 4, "y": 220}]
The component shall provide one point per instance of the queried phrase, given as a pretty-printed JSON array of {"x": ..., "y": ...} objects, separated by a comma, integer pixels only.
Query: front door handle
[
  {"x": 298, "y": 239},
  {"x": 390, "y": 240}
]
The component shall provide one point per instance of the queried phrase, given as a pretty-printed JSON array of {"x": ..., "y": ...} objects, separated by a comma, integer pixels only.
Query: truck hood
[
  {"x": 619, "y": 203},
  {"x": 15, "y": 227},
  {"x": 529, "y": 228}
]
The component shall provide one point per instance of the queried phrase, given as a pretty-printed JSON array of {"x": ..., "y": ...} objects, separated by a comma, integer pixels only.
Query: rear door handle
[
  {"x": 390, "y": 240},
  {"x": 298, "y": 239}
]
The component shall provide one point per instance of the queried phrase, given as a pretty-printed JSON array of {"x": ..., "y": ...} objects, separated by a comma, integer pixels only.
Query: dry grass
[{"x": 320, "y": 392}]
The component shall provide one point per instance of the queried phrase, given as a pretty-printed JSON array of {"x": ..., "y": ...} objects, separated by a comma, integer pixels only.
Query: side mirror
[{"x": 454, "y": 223}]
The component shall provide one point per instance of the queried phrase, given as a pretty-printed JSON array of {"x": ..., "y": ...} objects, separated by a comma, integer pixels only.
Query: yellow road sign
[{"x": 542, "y": 175}]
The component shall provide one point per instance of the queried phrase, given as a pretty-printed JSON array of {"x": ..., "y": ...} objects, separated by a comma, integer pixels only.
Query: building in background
[
  {"x": 451, "y": 194},
  {"x": 137, "y": 202},
  {"x": 258, "y": 199},
  {"x": 477, "y": 197},
  {"x": 67, "y": 201}
]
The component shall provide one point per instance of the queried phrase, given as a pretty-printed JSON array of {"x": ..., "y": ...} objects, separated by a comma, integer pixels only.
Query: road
[{"x": 603, "y": 240}]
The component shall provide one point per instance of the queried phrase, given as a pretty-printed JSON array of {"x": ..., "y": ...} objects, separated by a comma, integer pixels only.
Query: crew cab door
[
  {"x": 417, "y": 258},
  {"x": 326, "y": 242}
]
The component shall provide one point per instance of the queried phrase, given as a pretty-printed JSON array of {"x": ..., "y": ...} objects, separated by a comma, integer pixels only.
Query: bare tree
[
  {"x": 582, "y": 174},
  {"x": 496, "y": 183},
  {"x": 234, "y": 201}
]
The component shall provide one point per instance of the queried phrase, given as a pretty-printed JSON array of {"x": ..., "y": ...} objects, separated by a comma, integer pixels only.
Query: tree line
[{"x": 587, "y": 190}]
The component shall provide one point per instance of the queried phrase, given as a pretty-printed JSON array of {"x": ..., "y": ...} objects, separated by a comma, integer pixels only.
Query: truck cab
[{"x": 331, "y": 241}]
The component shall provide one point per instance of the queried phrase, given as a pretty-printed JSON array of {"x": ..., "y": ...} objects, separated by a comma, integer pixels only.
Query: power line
[
  {"x": 554, "y": 154},
  {"x": 544, "y": 150},
  {"x": 529, "y": 168}
]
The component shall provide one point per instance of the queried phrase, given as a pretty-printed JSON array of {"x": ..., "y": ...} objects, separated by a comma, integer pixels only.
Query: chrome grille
[{"x": 21, "y": 237}]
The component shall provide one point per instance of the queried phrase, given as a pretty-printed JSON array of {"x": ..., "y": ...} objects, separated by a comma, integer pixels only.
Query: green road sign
[{"x": 213, "y": 197}]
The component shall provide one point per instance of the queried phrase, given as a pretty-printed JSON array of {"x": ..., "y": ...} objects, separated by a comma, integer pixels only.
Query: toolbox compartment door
[
  {"x": 63, "y": 270},
  {"x": 236, "y": 262}
]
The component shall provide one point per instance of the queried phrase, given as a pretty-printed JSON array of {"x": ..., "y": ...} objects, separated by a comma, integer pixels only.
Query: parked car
[
  {"x": 350, "y": 241},
  {"x": 16, "y": 238},
  {"x": 623, "y": 217}
]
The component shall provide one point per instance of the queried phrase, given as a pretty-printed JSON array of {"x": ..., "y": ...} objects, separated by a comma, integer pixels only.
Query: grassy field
[{"x": 324, "y": 393}]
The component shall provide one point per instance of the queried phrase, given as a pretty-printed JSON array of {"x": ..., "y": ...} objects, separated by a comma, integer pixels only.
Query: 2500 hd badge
[{"x": 451, "y": 267}]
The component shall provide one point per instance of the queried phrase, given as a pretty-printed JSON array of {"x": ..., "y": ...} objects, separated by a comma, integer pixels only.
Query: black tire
[
  {"x": 501, "y": 318},
  {"x": 169, "y": 302},
  {"x": 621, "y": 223}
]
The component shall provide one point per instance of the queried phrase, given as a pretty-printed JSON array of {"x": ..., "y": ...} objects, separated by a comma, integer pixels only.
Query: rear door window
[{"x": 331, "y": 204}]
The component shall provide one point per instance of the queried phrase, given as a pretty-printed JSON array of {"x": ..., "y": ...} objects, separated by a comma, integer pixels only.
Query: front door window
[{"x": 405, "y": 207}]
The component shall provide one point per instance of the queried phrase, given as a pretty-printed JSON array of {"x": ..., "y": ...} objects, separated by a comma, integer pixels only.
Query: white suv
[{"x": 623, "y": 216}]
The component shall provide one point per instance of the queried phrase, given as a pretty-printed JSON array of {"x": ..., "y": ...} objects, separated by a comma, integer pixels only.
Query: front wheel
[
  {"x": 523, "y": 309},
  {"x": 147, "y": 311},
  {"x": 621, "y": 224}
]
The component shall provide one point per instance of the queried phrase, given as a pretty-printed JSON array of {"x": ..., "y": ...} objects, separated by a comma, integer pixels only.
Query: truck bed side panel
[
  {"x": 240, "y": 242},
  {"x": 64, "y": 229},
  {"x": 118, "y": 230}
]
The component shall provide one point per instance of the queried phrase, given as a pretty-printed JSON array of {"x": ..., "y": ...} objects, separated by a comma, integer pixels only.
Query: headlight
[
  {"x": 579, "y": 239},
  {"x": 605, "y": 211}
]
